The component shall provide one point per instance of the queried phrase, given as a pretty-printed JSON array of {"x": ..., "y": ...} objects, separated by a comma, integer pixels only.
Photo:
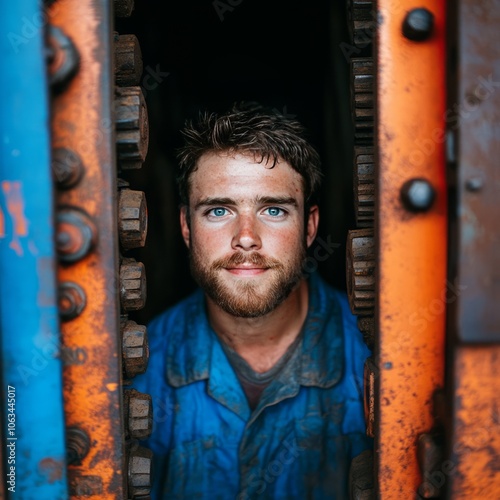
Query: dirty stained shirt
[
  {"x": 254, "y": 383},
  {"x": 297, "y": 442}
]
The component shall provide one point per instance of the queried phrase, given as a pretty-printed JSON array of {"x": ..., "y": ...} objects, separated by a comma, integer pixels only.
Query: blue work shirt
[{"x": 298, "y": 442}]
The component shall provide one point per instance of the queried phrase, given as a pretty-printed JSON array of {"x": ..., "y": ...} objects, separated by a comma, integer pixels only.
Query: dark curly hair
[{"x": 250, "y": 128}]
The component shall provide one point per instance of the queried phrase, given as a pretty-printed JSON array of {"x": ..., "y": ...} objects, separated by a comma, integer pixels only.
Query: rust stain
[
  {"x": 51, "y": 469},
  {"x": 15, "y": 206}
]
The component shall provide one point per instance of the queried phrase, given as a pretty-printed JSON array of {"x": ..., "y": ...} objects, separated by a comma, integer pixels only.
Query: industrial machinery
[{"x": 422, "y": 263}]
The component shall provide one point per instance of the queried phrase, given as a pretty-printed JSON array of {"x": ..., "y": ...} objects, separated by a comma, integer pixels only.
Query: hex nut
[
  {"x": 135, "y": 349},
  {"x": 132, "y": 218},
  {"x": 132, "y": 285}
]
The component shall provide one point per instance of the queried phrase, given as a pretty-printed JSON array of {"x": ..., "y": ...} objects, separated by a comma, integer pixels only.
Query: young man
[{"x": 256, "y": 378}]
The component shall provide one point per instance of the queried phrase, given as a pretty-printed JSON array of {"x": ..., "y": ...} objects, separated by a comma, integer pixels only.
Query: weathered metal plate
[
  {"x": 411, "y": 247},
  {"x": 475, "y": 119}
]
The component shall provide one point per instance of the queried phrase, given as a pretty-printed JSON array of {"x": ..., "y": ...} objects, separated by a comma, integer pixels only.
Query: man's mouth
[{"x": 242, "y": 270}]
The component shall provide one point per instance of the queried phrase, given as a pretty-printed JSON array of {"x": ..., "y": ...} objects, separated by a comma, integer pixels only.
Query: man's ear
[
  {"x": 312, "y": 224},
  {"x": 186, "y": 232}
]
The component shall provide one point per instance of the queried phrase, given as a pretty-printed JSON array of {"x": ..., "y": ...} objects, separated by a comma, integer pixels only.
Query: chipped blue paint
[{"x": 29, "y": 329}]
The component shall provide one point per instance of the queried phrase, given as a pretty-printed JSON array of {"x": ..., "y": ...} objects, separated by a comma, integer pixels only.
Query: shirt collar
[{"x": 193, "y": 345}]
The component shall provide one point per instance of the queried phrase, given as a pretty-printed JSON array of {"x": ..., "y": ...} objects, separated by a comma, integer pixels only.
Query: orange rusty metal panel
[
  {"x": 411, "y": 239},
  {"x": 473, "y": 430},
  {"x": 474, "y": 465},
  {"x": 83, "y": 123}
]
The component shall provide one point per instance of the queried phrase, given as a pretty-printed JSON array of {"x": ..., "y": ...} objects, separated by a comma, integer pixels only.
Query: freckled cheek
[
  {"x": 212, "y": 239},
  {"x": 282, "y": 240}
]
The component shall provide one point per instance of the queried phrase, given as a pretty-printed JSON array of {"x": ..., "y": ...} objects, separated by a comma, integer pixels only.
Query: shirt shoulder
[
  {"x": 355, "y": 349},
  {"x": 352, "y": 334},
  {"x": 162, "y": 330},
  {"x": 162, "y": 325}
]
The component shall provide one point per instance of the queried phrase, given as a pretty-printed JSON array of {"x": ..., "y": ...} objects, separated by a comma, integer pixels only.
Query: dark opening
[{"x": 204, "y": 55}]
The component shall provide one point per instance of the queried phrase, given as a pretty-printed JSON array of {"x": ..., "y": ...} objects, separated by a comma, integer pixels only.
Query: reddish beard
[{"x": 244, "y": 299}]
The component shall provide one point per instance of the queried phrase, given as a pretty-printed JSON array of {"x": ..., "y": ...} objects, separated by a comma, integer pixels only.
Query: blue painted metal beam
[{"x": 31, "y": 370}]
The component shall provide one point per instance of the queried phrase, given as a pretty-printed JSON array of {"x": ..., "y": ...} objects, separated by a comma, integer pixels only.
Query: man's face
[{"x": 246, "y": 232}]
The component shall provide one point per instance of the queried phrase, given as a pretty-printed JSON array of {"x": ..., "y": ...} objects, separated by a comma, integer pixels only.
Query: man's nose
[{"x": 246, "y": 235}]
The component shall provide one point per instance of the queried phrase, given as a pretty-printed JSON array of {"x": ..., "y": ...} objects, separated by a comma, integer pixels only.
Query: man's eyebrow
[
  {"x": 210, "y": 202},
  {"x": 276, "y": 200}
]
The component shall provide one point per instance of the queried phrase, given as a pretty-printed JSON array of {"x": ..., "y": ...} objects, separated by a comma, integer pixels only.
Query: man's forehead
[{"x": 233, "y": 170}]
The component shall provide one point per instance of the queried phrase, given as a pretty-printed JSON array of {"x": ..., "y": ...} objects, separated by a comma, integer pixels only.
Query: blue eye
[
  {"x": 218, "y": 212},
  {"x": 275, "y": 211}
]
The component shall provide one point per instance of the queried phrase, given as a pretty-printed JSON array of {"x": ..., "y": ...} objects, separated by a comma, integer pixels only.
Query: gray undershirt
[{"x": 252, "y": 382}]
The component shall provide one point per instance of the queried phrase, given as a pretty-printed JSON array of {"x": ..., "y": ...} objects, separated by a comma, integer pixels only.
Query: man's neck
[{"x": 262, "y": 341}]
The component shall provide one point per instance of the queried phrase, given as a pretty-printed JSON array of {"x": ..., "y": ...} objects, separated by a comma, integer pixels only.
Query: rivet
[
  {"x": 75, "y": 234},
  {"x": 418, "y": 24},
  {"x": 64, "y": 63},
  {"x": 77, "y": 445},
  {"x": 474, "y": 184},
  {"x": 67, "y": 168},
  {"x": 417, "y": 195},
  {"x": 71, "y": 300}
]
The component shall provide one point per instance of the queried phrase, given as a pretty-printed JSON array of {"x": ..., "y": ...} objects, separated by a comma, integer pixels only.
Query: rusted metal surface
[
  {"x": 132, "y": 127},
  {"x": 138, "y": 414},
  {"x": 360, "y": 271},
  {"x": 361, "y": 18},
  {"x": 135, "y": 349},
  {"x": 366, "y": 325},
  {"x": 364, "y": 185},
  {"x": 473, "y": 437},
  {"x": 475, "y": 121},
  {"x": 133, "y": 290},
  {"x": 139, "y": 472},
  {"x": 64, "y": 58},
  {"x": 369, "y": 376},
  {"x": 128, "y": 60},
  {"x": 82, "y": 122},
  {"x": 123, "y": 8},
  {"x": 411, "y": 247},
  {"x": 362, "y": 85},
  {"x": 430, "y": 453},
  {"x": 132, "y": 218}
]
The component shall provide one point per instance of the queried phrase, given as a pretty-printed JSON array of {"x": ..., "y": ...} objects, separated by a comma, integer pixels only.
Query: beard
[{"x": 244, "y": 297}]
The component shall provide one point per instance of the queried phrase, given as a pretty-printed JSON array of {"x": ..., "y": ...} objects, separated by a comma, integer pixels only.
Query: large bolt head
[
  {"x": 128, "y": 60},
  {"x": 132, "y": 285},
  {"x": 132, "y": 218},
  {"x": 67, "y": 168},
  {"x": 135, "y": 349},
  {"x": 76, "y": 234},
  {"x": 132, "y": 127},
  {"x": 64, "y": 60},
  {"x": 139, "y": 471},
  {"x": 138, "y": 414}
]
